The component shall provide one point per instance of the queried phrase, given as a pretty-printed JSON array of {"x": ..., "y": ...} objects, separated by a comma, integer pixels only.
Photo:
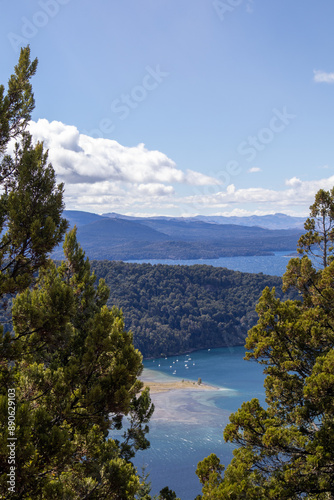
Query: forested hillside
[
  {"x": 117, "y": 238},
  {"x": 173, "y": 309}
]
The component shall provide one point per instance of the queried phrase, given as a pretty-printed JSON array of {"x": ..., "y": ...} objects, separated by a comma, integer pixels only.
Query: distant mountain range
[
  {"x": 275, "y": 221},
  {"x": 116, "y": 237}
]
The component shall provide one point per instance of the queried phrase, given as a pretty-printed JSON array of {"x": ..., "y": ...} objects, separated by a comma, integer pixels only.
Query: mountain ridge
[
  {"x": 137, "y": 238},
  {"x": 269, "y": 221}
]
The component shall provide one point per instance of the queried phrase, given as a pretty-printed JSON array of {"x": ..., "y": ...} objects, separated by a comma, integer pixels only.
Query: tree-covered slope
[
  {"x": 79, "y": 218},
  {"x": 173, "y": 309},
  {"x": 120, "y": 238},
  {"x": 285, "y": 449}
]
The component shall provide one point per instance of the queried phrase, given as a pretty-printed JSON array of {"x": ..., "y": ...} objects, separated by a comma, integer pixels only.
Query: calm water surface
[
  {"x": 274, "y": 265},
  {"x": 188, "y": 424}
]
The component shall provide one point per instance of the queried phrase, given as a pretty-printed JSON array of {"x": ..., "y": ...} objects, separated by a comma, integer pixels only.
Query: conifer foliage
[
  {"x": 75, "y": 377},
  {"x": 286, "y": 449},
  {"x": 72, "y": 365},
  {"x": 31, "y": 203}
]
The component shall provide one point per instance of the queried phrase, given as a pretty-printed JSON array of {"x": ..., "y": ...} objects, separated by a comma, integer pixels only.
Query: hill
[
  {"x": 270, "y": 221},
  {"x": 78, "y": 218},
  {"x": 177, "y": 309},
  {"x": 118, "y": 238}
]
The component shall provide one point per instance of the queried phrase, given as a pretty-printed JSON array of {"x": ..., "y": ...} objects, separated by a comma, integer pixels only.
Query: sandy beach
[
  {"x": 181, "y": 400},
  {"x": 158, "y": 387}
]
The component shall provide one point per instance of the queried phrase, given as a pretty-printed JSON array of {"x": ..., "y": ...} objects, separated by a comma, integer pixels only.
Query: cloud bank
[
  {"x": 79, "y": 158},
  {"x": 296, "y": 195},
  {"x": 101, "y": 175}
]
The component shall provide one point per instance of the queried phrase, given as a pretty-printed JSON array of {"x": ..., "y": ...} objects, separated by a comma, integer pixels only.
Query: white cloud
[
  {"x": 294, "y": 182},
  {"x": 241, "y": 212},
  {"x": 112, "y": 196},
  {"x": 102, "y": 175},
  {"x": 253, "y": 170},
  {"x": 79, "y": 158},
  {"x": 298, "y": 193},
  {"x": 155, "y": 189},
  {"x": 323, "y": 77},
  {"x": 199, "y": 179},
  {"x": 230, "y": 189}
]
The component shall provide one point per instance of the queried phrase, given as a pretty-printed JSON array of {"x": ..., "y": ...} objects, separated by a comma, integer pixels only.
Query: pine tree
[
  {"x": 69, "y": 371},
  {"x": 145, "y": 486},
  {"x": 167, "y": 494},
  {"x": 319, "y": 237},
  {"x": 286, "y": 449},
  {"x": 31, "y": 203},
  {"x": 76, "y": 377}
]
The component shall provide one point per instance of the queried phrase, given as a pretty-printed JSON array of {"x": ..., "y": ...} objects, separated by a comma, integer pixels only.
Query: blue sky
[{"x": 181, "y": 107}]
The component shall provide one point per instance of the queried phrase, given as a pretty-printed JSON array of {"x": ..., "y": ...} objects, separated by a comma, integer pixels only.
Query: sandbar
[{"x": 158, "y": 387}]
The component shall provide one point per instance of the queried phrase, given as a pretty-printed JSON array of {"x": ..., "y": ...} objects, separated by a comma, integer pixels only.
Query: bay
[
  {"x": 188, "y": 424},
  {"x": 274, "y": 265}
]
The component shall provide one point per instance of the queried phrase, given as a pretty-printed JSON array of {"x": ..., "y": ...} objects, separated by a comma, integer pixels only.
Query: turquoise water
[
  {"x": 274, "y": 265},
  {"x": 188, "y": 424}
]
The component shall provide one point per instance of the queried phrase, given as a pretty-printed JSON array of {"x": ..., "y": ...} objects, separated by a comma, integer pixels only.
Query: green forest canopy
[
  {"x": 285, "y": 449},
  {"x": 175, "y": 309}
]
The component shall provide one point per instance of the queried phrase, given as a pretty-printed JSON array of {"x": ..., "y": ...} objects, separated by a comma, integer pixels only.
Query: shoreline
[
  {"x": 184, "y": 402},
  {"x": 159, "y": 387},
  {"x": 195, "y": 349}
]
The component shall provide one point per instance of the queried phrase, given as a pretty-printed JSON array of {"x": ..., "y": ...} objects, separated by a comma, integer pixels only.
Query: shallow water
[{"x": 188, "y": 424}]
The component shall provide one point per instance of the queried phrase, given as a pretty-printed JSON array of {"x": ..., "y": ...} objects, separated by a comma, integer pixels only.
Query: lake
[
  {"x": 274, "y": 265},
  {"x": 188, "y": 424}
]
